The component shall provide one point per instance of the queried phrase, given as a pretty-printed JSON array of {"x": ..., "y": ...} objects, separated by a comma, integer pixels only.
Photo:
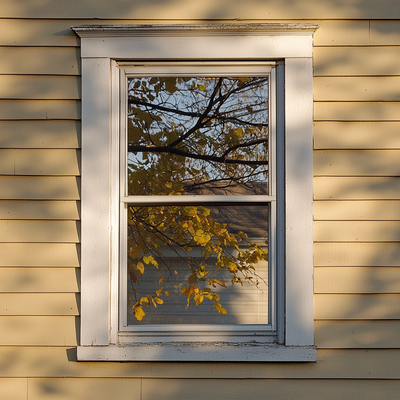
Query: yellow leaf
[
  {"x": 198, "y": 299},
  {"x": 220, "y": 283},
  {"x": 166, "y": 293},
  {"x": 150, "y": 260},
  {"x": 158, "y": 301},
  {"x": 145, "y": 301},
  {"x": 139, "y": 313},
  {"x": 140, "y": 267},
  {"x": 220, "y": 309}
]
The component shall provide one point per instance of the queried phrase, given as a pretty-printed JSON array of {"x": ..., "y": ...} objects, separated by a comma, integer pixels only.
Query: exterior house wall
[{"x": 356, "y": 207}]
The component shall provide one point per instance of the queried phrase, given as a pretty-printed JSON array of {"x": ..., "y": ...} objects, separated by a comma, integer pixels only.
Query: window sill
[{"x": 196, "y": 352}]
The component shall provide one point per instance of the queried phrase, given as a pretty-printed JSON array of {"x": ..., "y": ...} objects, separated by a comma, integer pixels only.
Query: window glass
[
  {"x": 182, "y": 259},
  {"x": 198, "y": 263},
  {"x": 198, "y": 136}
]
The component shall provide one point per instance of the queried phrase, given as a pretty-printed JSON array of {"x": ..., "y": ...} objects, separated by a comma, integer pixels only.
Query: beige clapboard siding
[
  {"x": 61, "y": 362},
  {"x": 357, "y": 254},
  {"x": 357, "y": 162},
  {"x": 39, "y": 255},
  {"x": 206, "y": 10},
  {"x": 357, "y": 33},
  {"x": 47, "y": 32},
  {"x": 39, "y": 61},
  {"x": 239, "y": 389},
  {"x": 32, "y": 231},
  {"x": 40, "y": 87},
  {"x": 82, "y": 389},
  {"x": 356, "y": 280},
  {"x": 352, "y": 88},
  {"x": 54, "y": 210},
  {"x": 356, "y": 135},
  {"x": 62, "y": 331},
  {"x": 199, "y": 389},
  {"x": 39, "y": 109},
  {"x": 357, "y": 306},
  {"x": 379, "y": 334},
  {"x": 357, "y": 231},
  {"x": 356, "y": 111},
  {"x": 40, "y": 134},
  {"x": 39, "y": 330},
  {"x": 7, "y": 162},
  {"x": 383, "y": 210},
  {"x": 36, "y": 280},
  {"x": 39, "y": 304},
  {"x": 39, "y": 162},
  {"x": 39, "y": 188},
  {"x": 356, "y": 61},
  {"x": 14, "y": 388},
  {"x": 361, "y": 188},
  {"x": 25, "y": 32}
]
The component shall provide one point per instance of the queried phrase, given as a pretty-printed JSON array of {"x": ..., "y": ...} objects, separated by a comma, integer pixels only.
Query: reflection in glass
[
  {"x": 217, "y": 250},
  {"x": 197, "y": 135}
]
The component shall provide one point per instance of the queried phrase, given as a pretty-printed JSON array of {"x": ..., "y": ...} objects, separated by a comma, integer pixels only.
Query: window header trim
[{"x": 84, "y": 31}]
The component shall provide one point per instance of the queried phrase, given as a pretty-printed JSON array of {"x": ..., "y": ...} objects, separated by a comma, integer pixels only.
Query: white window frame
[
  {"x": 102, "y": 48},
  {"x": 206, "y": 332}
]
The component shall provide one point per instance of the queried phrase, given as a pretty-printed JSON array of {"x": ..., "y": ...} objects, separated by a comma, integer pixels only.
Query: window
[
  {"x": 232, "y": 188},
  {"x": 197, "y": 190}
]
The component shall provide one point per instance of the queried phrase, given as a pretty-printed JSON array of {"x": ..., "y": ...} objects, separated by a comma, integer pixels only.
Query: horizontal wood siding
[
  {"x": 47, "y": 134},
  {"x": 39, "y": 109},
  {"x": 276, "y": 389},
  {"x": 356, "y": 208},
  {"x": 36, "y": 280},
  {"x": 30, "y": 209},
  {"x": 40, "y": 87},
  {"x": 39, "y": 60},
  {"x": 207, "y": 10},
  {"x": 60, "y": 361},
  {"x": 39, "y": 304},
  {"x": 341, "y": 280},
  {"x": 357, "y": 189},
  {"x": 39, "y": 255},
  {"x": 39, "y": 330},
  {"x": 354, "y": 135},
  {"x": 366, "y": 210}
]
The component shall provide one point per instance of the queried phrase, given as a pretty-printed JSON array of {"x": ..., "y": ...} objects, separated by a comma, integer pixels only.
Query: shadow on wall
[
  {"x": 362, "y": 309},
  {"x": 207, "y": 9},
  {"x": 356, "y": 192}
]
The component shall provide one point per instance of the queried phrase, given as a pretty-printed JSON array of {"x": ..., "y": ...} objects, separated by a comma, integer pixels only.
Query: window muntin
[{"x": 241, "y": 189}]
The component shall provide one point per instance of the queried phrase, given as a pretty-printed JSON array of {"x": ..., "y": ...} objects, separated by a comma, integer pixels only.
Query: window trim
[
  {"x": 101, "y": 48},
  {"x": 174, "y": 333}
]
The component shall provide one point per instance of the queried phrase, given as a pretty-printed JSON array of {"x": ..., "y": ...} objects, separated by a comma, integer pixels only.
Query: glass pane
[
  {"x": 213, "y": 258},
  {"x": 197, "y": 135}
]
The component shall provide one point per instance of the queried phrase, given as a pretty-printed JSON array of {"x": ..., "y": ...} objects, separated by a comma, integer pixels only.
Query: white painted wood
[
  {"x": 153, "y": 332},
  {"x": 299, "y": 197},
  {"x": 244, "y": 42},
  {"x": 114, "y": 204},
  {"x": 196, "y": 199},
  {"x": 199, "y": 352},
  {"x": 95, "y": 201}
]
